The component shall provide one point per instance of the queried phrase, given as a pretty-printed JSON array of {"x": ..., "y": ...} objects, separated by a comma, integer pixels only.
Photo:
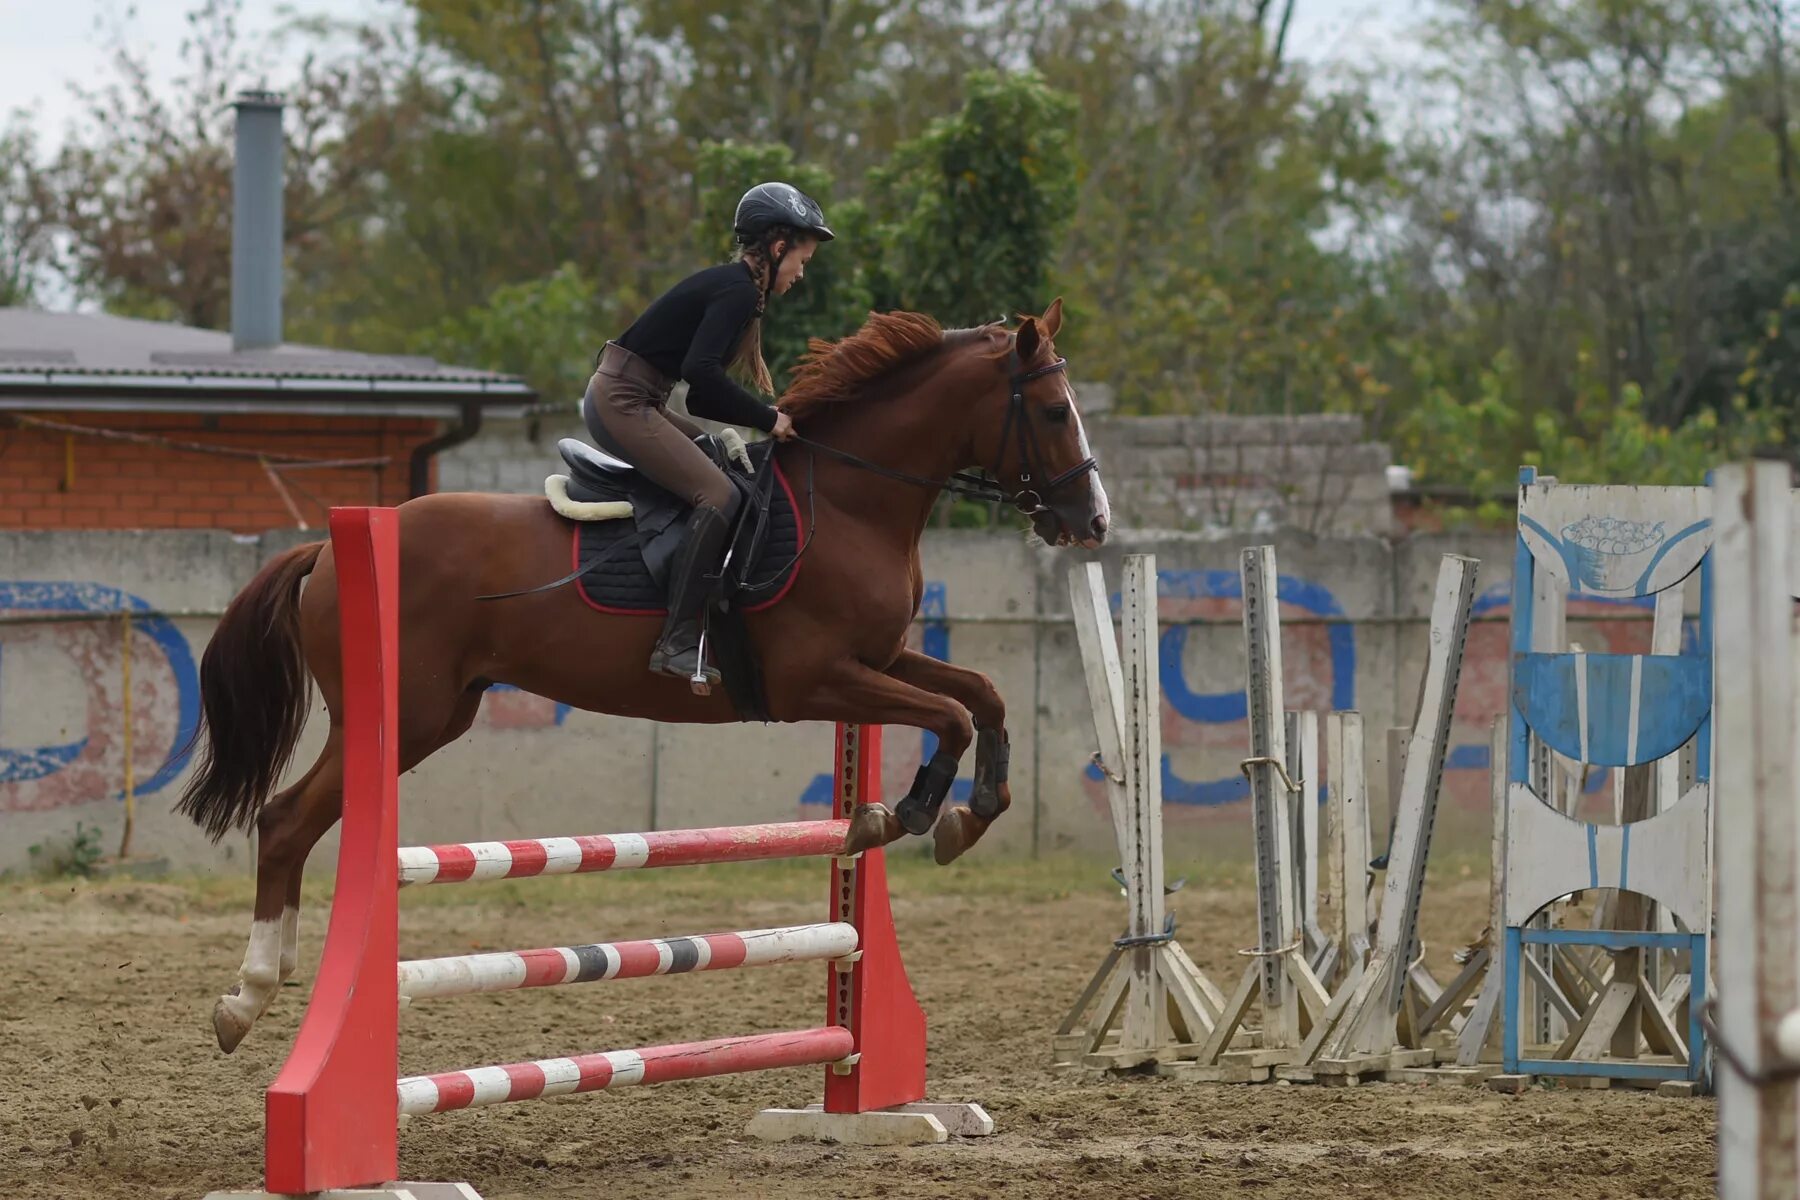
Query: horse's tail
[{"x": 254, "y": 695}]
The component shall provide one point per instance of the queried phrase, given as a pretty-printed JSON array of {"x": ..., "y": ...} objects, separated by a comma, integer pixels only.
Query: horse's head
[{"x": 1035, "y": 445}]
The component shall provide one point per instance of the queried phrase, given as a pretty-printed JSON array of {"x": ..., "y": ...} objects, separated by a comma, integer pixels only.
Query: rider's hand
[{"x": 784, "y": 427}]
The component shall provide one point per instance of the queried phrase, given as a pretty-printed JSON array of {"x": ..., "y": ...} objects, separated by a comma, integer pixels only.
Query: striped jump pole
[
  {"x": 467, "y": 974},
  {"x": 475, "y": 861},
  {"x": 623, "y": 1068},
  {"x": 333, "y": 1111}
]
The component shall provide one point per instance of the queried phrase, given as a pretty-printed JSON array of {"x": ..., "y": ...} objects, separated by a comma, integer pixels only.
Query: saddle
[{"x": 627, "y": 530}]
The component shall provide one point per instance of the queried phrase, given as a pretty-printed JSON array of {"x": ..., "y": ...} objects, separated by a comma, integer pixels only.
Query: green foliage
[
  {"x": 74, "y": 858},
  {"x": 972, "y": 210},
  {"x": 1591, "y": 265},
  {"x": 25, "y": 214},
  {"x": 1471, "y": 442},
  {"x": 547, "y": 330}
]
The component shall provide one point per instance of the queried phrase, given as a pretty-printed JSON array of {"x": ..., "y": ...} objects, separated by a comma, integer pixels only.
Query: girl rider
[{"x": 708, "y": 321}]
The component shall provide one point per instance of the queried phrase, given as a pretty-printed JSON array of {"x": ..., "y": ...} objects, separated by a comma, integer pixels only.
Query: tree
[
  {"x": 26, "y": 204},
  {"x": 1613, "y": 163},
  {"x": 971, "y": 212}
]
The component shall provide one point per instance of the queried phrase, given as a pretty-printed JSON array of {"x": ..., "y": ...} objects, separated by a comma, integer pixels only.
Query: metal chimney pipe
[{"x": 256, "y": 222}]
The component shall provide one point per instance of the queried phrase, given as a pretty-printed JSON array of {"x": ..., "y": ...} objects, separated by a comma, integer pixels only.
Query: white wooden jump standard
[
  {"x": 1361, "y": 1028},
  {"x": 1278, "y": 979},
  {"x": 1154, "y": 1004},
  {"x": 1758, "y": 761}
]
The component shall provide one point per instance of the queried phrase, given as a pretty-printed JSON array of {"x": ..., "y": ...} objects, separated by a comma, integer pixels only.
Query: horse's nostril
[{"x": 1100, "y": 525}]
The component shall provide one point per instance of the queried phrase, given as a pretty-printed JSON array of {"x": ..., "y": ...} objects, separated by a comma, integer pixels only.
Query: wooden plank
[
  {"x": 1616, "y": 1008},
  {"x": 1349, "y": 825},
  {"x": 1072, "y": 1021},
  {"x": 1237, "y": 1007},
  {"x": 1304, "y": 750},
  {"x": 1459, "y": 990},
  {"x": 1556, "y": 522},
  {"x": 1659, "y": 1031},
  {"x": 1215, "y": 999},
  {"x": 1548, "y": 988},
  {"x": 1105, "y": 682},
  {"x": 1146, "y": 1023},
  {"x": 1374, "y": 1031},
  {"x": 1665, "y": 638},
  {"x": 1270, "y": 800},
  {"x": 1186, "y": 1000},
  {"x": 1758, "y": 841}
]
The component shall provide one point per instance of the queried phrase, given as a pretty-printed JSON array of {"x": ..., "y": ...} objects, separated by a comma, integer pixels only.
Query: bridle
[{"x": 1026, "y": 498}]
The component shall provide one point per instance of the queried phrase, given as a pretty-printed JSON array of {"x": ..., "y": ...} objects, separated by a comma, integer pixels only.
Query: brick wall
[{"x": 53, "y": 480}]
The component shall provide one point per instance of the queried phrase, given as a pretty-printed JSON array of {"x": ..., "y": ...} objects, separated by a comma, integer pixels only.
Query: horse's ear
[
  {"x": 1052, "y": 318},
  {"x": 1028, "y": 340}
]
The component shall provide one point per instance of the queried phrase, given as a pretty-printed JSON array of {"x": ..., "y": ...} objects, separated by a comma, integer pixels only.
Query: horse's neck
[{"x": 918, "y": 424}]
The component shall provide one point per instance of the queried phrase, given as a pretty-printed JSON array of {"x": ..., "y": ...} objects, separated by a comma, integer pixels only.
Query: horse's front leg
[
  {"x": 857, "y": 694},
  {"x": 961, "y": 828}
]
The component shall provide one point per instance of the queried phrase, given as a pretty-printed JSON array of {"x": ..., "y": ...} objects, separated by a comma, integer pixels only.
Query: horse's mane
[{"x": 832, "y": 371}]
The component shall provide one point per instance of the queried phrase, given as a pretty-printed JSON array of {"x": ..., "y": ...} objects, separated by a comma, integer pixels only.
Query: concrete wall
[
  {"x": 530, "y": 767},
  {"x": 1310, "y": 473}
]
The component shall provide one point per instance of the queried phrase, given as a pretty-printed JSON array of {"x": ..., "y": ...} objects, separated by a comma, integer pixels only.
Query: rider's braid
[{"x": 759, "y": 254}]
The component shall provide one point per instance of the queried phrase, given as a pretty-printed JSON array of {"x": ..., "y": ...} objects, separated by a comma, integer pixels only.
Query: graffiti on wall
[
  {"x": 1205, "y": 709},
  {"x": 63, "y": 703}
]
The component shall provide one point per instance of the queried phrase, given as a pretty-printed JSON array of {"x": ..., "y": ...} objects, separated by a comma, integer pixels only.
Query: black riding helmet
[{"x": 770, "y": 204}]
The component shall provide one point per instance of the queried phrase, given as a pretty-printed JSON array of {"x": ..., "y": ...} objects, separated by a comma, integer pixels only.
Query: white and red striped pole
[
  {"x": 472, "y": 862},
  {"x": 421, "y": 1094},
  {"x": 505, "y": 970}
]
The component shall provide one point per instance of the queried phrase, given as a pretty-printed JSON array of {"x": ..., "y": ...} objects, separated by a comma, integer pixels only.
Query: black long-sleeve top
[{"x": 692, "y": 331}]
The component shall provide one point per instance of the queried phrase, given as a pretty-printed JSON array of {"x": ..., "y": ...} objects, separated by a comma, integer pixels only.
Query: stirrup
[{"x": 686, "y": 662}]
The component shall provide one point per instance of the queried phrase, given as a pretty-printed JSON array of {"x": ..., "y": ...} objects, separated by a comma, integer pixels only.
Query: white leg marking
[
  {"x": 290, "y": 943},
  {"x": 258, "y": 977}
]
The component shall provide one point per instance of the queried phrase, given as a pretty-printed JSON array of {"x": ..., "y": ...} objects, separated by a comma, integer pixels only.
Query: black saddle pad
[{"x": 623, "y": 580}]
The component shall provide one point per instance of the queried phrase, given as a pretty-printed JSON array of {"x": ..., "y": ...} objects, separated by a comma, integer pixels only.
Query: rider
[{"x": 708, "y": 321}]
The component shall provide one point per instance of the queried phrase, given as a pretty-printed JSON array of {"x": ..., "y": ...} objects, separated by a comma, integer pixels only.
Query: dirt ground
[{"x": 115, "y": 1089}]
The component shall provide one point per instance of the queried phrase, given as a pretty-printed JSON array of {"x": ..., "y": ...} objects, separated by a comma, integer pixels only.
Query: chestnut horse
[{"x": 885, "y": 417}]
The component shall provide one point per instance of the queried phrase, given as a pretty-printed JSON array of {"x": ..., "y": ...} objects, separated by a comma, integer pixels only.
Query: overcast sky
[{"x": 46, "y": 44}]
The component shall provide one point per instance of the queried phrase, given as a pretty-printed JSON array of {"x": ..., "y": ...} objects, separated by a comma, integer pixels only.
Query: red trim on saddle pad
[{"x": 799, "y": 540}]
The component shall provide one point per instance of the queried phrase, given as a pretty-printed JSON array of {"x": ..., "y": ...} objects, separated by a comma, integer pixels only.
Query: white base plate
[{"x": 908, "y": 1125}]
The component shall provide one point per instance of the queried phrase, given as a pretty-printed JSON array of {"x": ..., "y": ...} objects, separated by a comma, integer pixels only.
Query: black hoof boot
[
  {"x": 993, "y": 756},
  {"x": 919, "y": 810}
]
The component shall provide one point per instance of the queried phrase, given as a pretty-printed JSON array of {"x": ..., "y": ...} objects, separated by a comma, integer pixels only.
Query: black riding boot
[{"x": 678, "y": 651}]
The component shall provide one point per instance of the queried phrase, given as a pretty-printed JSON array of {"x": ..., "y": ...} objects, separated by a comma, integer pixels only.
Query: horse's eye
[{"x": 1058, "y": 414}]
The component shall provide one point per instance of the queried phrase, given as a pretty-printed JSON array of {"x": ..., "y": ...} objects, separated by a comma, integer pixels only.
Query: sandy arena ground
[{"x": 115, "y": 1089}]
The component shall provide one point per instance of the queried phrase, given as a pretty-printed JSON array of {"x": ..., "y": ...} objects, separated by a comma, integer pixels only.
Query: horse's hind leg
[{"x": 288, "y": 827}]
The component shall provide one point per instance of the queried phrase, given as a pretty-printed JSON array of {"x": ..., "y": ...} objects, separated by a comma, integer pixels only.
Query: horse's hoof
[
  {"x": 957, "y": 831},
  {"x": 871, "y": 826},
  {"x": 228, "y": 1027}
]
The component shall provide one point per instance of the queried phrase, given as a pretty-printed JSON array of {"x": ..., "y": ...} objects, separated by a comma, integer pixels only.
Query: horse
[{"x": 885, "y": 419}]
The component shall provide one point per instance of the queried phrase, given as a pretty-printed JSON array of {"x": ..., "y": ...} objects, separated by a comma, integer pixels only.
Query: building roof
[{"x": 95, "y": 360}]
